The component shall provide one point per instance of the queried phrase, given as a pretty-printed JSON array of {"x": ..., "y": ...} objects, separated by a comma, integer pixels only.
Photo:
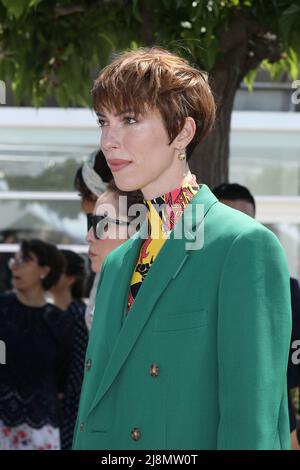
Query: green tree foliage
[
  {"x": 54, "y": 48},
  {"x": 49, "y": 48}
]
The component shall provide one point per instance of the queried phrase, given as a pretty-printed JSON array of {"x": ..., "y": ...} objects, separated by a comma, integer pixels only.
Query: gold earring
[{"x": 181, "y": 155}]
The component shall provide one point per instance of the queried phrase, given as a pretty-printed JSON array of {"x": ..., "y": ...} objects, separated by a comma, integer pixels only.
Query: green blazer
[{"x": 200, "y": 361}]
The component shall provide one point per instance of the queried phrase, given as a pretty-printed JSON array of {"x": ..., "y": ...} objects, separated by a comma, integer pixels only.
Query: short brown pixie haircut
[{"x": 149, "y": 78}]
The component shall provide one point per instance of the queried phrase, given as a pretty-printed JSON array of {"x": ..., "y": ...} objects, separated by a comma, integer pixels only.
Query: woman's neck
[
  {"x": 163, "y": 186},
  {"x": 62, "y": 299},
  {"x": 165, "y": 210},
  {"x": 32, "y": 298}
]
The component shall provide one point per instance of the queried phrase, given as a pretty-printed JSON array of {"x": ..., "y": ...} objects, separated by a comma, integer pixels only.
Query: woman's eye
[
  {"x": 101, "y": 122},
  {"x": 130, "y": 119}
]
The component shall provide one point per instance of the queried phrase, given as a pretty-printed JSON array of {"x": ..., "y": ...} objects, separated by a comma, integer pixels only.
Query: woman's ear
[
  {"x": 71, "y": 280},
  {"x": 44, "y": 271},
  {"x": 186, "y": 134}
]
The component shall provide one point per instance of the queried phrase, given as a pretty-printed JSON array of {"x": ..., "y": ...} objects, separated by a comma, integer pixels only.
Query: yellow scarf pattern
[{"x": 163, "y": 214}]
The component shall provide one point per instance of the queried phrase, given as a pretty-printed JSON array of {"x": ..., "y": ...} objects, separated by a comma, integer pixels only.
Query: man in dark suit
[{"x": 239, "y": 197}]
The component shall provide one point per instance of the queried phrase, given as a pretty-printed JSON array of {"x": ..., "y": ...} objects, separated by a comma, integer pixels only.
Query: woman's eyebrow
[{"x": 121, "y": 113}]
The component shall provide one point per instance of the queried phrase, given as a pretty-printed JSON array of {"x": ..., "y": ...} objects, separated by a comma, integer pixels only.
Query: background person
[
  {"x": 68, "y": 294},
  {"x": 7, "y": 237},
  {"x": 236, "y": 196},
  {"x": 90, "y": 181},
  {"x": 37, "y": 338},
  {"x": 239, "y": 197},
  {"x": 108, "y": 203}
]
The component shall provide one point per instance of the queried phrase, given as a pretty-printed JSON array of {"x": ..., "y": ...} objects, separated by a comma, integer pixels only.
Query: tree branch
[
  {"x": 70, "y": 10},
  {"x": 262, "y": 47},
  {"x": 244, "y": 46},
  {"x": 147, "y": 27},
  {"x": 241, "y": 29}
]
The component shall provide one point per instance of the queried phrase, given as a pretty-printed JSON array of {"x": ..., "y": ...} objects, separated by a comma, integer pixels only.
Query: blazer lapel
[
  {"x": 119, "y": 303},
  {"x": 166, "y": 267}
]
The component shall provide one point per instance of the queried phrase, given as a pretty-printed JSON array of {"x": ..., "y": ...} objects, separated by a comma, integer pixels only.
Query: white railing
[
  {"x": 278, "y": 209},
  {"x": 269, "y": 210},
  {"x": 38, "y": 127},
  {"x": 13, "y": 247},
  {"x": 38, "y": 196}
]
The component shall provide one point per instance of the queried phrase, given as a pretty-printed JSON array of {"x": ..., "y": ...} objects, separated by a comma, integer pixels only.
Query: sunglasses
[
  {"x": 100, "y": 227},
  {"x": 19, "y": 261}
]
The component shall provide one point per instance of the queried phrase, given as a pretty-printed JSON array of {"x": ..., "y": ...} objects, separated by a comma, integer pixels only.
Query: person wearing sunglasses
[
  {"x": 105, "y": 231},
  {"x": 37, "y": 337},
  {"x": 191, "y": 334},
  {"x": 91, "y": 181},
  {"x": 107, "y": 228}
]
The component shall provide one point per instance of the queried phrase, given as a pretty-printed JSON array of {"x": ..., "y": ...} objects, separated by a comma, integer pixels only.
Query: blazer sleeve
[
  {"x": 293, "y": 375},
  {"x": 76, "y": 443},
  {"x": 295, "y": 299},
  {"x": 254, "y": 333}
]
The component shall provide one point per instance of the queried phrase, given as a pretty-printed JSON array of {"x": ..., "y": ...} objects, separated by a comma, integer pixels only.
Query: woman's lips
[{"x": 117, "y": 165}]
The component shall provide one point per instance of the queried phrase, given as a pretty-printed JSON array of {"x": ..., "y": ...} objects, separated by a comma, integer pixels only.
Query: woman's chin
[
  {"x": 96, "y": 266},
  {"x": 16, "y": 284},
  {"x": 125, "y": 184}
]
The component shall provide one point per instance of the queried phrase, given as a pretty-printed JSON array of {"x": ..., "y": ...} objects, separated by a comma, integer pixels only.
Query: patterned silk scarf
[{"x": 163, "y": 214}]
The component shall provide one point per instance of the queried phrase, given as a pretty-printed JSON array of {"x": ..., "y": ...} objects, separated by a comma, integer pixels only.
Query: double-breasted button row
[
  {"x": 154, "y": 370},
  {"x": 136, "y": 434}
]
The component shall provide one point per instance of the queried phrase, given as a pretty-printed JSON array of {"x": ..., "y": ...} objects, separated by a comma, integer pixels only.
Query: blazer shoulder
[{"x": 234, "y": 222}]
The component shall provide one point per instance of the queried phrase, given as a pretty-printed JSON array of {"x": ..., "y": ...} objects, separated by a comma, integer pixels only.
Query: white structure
[{"x": 265, "y": 157}]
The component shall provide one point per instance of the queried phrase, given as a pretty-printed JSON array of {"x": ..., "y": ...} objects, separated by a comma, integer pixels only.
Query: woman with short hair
[{"x": 190, "y": 341}]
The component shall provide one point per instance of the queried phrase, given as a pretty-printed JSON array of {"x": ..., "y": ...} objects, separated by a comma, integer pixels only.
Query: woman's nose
[
  {"x": 110, "y": 137},
  {"x": 12, "y": 264},
  {"x": 90, "y": 235},
  {"x": 12, "y": 267}
]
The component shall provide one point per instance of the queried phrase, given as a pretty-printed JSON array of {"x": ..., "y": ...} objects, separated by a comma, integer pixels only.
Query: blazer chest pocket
[{"x": 182, "y": 321}]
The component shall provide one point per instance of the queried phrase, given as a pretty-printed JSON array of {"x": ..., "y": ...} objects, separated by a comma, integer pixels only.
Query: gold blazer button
[
  {"x": 135, "y": 434},
  {"x": 154, "y": 370}
]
